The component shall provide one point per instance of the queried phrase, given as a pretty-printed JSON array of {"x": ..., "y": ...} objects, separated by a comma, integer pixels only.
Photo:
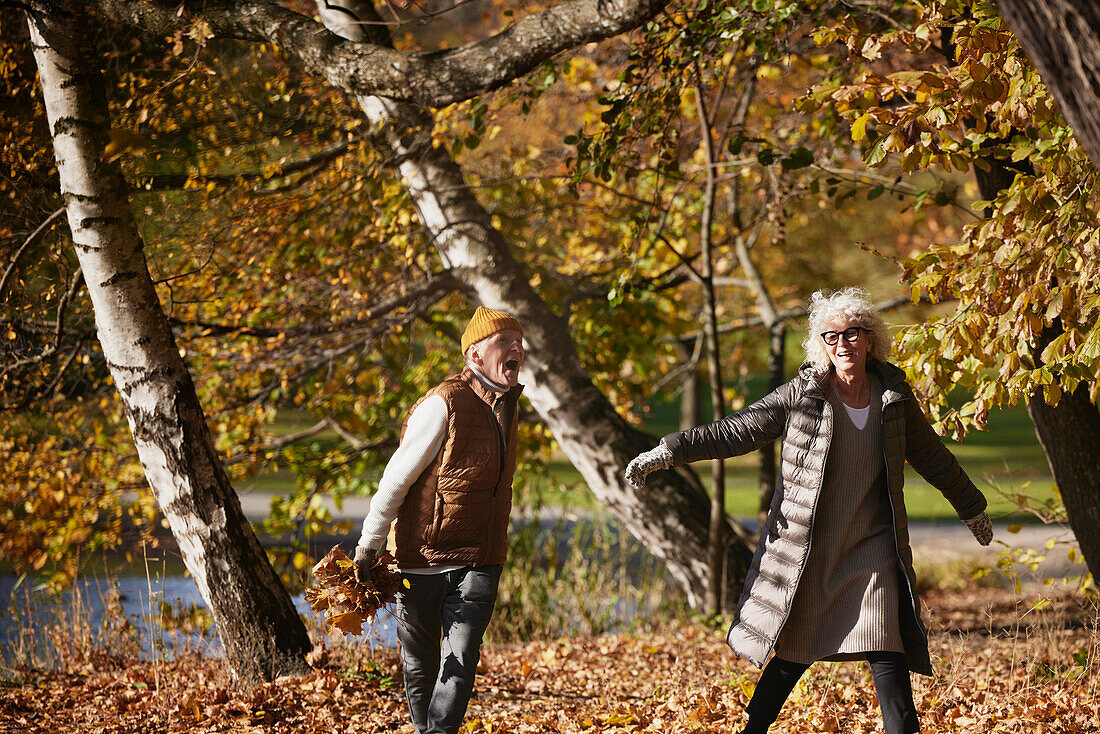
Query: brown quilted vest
[{"x": 456, "y": 512}]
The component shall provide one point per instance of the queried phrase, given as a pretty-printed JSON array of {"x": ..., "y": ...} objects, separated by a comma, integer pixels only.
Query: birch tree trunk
[
  {"x": 255, "y": 619},
  {"x": 671, "y": 514}
]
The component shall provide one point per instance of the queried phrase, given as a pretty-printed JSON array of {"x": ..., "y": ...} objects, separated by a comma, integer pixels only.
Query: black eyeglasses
[{"x": 850, "y": 335}]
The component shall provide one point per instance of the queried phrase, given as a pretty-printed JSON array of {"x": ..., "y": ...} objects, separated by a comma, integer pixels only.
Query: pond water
[
  {"x": 165, "y": 615},
  {"x": 91, "y": 610},
  {"x": 48, "y": 629}
]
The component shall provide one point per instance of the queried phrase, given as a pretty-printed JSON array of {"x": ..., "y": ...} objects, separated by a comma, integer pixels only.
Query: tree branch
[
  {"x": 32, "y": 240},
  {"x": 167, "y": 181},
  {"x": 325, "y": 423},
  {"x": 438, "y": 287},
  {"x": 799, "y": 312},
  {"x": 433, "y": 79},
  {"x": 74, "y": 286}
]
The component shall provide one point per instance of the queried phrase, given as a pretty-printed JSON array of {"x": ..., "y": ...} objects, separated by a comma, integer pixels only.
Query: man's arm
[{"x": 423, "y": 438}]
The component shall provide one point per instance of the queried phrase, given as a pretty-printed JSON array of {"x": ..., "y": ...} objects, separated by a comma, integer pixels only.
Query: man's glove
[
  {"x": 981, "y": 527},
  {"x": 650, "y": 461},
  {"x": 364, "y": 559}
]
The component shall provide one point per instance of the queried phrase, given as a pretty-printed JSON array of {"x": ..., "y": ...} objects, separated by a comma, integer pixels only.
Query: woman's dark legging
[{"x": 891, "y": 673}]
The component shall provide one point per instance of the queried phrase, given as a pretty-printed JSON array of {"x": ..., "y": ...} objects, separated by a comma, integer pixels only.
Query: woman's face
[{"x": 853, "y": 343}]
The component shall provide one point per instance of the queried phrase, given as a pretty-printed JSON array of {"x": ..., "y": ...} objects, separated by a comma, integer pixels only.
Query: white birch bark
[
  {"x": 363, "y": 68},
  {"x": 671, "y": 514},
  {"x": 262, "y": 633}
]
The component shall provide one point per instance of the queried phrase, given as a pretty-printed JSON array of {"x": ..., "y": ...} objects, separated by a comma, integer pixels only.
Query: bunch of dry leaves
[{"x": 346, "y": 599}]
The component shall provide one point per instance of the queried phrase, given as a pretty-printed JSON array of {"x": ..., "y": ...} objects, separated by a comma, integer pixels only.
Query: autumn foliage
[
  {"x": 1003, "y": 664},
  {"x": 347, "y": 600},
  {"x": 969, "y": 99}
]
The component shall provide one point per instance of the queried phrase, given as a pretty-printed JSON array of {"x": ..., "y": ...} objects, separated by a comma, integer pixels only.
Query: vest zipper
[
  {"x": 502, "y": 447},
  {"x": 503, "y": 443}
]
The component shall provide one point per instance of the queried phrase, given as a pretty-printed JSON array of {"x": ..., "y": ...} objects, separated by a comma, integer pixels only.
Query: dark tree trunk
[
  {"x": 255, "y": 619},
  {"x": 1069, "y": 430},
  {"x": 777, "y": 353},
  {"x": 1070, "y": 434},
  {"x": 718, "y": 522},
  {"x": 690, "y": 416},
  {"x": 1062, "y": 38}
]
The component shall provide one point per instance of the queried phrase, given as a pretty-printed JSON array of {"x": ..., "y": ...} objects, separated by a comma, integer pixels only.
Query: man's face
[{"x": 499, "y": 357}]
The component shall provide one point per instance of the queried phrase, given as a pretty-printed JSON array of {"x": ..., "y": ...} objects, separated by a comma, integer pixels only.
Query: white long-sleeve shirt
[{"x": 424, "y": 436}]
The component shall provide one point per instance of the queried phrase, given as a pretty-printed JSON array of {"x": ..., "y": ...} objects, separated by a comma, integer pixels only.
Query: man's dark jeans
[{"x": 440, "y": 622}]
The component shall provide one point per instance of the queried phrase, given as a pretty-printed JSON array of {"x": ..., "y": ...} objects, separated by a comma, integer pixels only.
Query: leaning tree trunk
[
  {"x": 1062, "y": 39},
  {"x": 255, "y": 619},
  {"x": 671, "y": 514}
]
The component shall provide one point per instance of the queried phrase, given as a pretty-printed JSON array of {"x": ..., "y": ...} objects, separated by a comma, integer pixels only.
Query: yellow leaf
[
  {"x": 199, "y": 31},
  {"x": 350, "y": 623},
  {"x": 859, "y": 127}
]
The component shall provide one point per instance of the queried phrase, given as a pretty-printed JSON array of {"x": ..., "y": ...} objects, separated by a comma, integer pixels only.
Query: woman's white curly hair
[{"x": 852, "y": 304}]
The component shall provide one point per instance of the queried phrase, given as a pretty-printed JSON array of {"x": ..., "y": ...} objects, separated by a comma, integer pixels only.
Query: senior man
[{"x": 449, "y": 486}]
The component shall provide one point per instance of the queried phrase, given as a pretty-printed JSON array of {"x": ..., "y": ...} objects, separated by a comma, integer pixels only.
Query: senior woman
[{"x": 832, "y": 576}]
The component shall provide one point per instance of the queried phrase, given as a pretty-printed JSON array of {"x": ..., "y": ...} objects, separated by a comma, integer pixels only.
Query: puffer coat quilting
[
  {"x": 800, "y": 414},
  {"x": 457, "y": 510}
]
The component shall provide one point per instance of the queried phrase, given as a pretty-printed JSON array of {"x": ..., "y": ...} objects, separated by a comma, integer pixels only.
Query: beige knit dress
[{"x": 847, "y": 602}]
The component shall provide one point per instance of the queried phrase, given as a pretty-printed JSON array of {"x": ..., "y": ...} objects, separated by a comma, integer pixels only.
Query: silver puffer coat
[{"x": 800, "y": 414}]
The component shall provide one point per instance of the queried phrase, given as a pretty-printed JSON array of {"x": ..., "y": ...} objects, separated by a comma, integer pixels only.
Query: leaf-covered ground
[{"x": 1001, "y": 666}]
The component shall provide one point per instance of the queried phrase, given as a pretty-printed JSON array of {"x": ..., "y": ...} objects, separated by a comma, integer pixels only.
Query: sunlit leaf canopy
[
  {"x": 790, "y": 185},
  {"x": 312, "y": 309},
  {"x": 1028, "y": 313}
]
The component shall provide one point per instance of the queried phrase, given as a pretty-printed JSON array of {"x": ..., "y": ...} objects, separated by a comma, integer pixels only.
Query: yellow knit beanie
[{"x": 487, "y": 322}]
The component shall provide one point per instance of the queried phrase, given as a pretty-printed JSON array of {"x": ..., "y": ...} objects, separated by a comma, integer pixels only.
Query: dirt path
[{"x": 946, "y": 542}]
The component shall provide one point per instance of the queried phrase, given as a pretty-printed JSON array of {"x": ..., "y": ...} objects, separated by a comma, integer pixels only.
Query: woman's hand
[
  {"x": 981, "y": 527},
  {"x": 650, "y": 461}
]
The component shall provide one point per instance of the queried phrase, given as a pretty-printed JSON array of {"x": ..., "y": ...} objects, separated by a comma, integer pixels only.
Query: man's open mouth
[{"x": 512, "y": 365}]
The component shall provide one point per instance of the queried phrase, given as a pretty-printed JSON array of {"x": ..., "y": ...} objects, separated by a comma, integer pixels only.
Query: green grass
[
  {"x": 923, "y": 502},
  {"x": 1004, "y": 460}
]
